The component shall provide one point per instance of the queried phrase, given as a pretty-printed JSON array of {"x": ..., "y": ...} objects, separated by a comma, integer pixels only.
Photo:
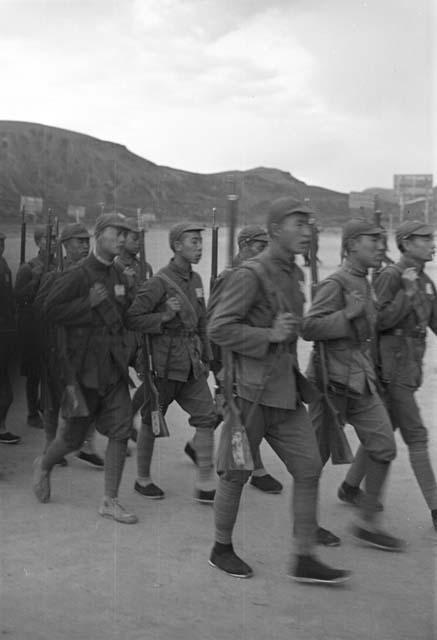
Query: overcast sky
[{"x": 338, "y": 92}]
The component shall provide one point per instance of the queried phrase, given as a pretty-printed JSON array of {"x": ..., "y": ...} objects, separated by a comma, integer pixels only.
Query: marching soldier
[
  {"x": 76, "y": 241},
  {"x": 128, "y": 261},
  {"x": 170, "y": 308},
  {"x": 407, "y": 303},
  {"x": 343, "y": 316},
  {"x": 90, "y": 302},
  {"x": 130, "y": 266},
  {"x": 258, "y": 318},
  {"x": 29, "y": 330},
  {"x": 251, "y": 240},
  {"x": 7, "y": 344}
]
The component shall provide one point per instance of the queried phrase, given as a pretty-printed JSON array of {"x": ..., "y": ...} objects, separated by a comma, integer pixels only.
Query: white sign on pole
[
  {"x": 32, "y": 206},
  {"x": 76, "y": 212},
  {"x": 359, "y": 200}
]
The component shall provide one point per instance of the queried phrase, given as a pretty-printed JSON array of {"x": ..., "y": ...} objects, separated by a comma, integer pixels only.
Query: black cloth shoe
[
  {"x": 133, "y": 435},
  {"x": 150, "y": 491},
  {"x": 191, "y": 452},
  {"x": 434, "y": 518},
  {"x": 354, "y": 496},
  {"x": 204, "y": 496},
  {"x": 34, "y": 420},
  {"x": 9, "y": 438},
  {"x": 266, "y": 483},
  {"x": 326, "y": 538},
  {"x": 379, "y": 539},
  {"x": 310, "y": 569},
  {"x": 230, "y": 563},
  {"x": 63, "y": 462},
  {"x": 91, "y": 458}
]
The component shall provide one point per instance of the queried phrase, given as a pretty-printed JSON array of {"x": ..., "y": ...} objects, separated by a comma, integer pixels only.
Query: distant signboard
[
  {"x": 359, "y": 200},
  {"x": 76, "y": 212},
  {"x": 32, "y": 206},
  {"x": 144, "y": 219},
  {"x": 412, "y": 186}
]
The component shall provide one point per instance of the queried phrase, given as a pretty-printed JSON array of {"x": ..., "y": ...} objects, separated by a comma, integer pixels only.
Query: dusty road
[{"x": 66, "y": 573}]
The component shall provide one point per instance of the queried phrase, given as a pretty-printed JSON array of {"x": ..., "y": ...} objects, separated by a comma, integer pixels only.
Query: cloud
[{"x": 339, "y": 93}]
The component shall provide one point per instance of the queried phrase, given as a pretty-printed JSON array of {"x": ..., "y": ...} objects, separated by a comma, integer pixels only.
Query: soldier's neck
[
  {"x": 103, "y": 257},
  {"x": 280, "y": 253},
  {"x": 181, "y": 262},
  {"x": 354, "y": 266},
  {"x": 410, "y": 261}
]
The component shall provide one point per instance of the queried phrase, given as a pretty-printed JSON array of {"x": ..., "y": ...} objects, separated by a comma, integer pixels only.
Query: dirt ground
[{"x": 66, "y": 573}]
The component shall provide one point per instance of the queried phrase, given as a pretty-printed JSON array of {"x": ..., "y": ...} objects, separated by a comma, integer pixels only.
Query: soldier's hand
[
  {"x": 285, "y": 326},
  {"x": 98, "y": 293},
  {"x": 409, "y": 280},
  {"x": 173, "y": 306},
  {"x": 355, "y": 304}
]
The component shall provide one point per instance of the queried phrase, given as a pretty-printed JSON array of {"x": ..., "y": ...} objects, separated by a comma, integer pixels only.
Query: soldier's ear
[{"x": 275, "y": 229}]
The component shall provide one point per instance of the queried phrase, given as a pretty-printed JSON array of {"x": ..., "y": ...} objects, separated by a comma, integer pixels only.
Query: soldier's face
[
  {"x": 2, "y": 246},
  {"x": 369, "y": 250},
  {"x": 420, "y": 247},
  {"x": 77, "y": 248},
  {"x": 132, "y": 244},
  {"x": 190, "y": 246},
  {"x": 294, "y": 233},
  {"x": 111, "y": 241}
]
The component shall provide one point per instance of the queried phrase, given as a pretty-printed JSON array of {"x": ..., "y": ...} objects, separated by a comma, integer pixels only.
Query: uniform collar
[
  {"x": 184, "y": 272},
  {"x": 354, "y": 269},
  {"x": 100, "y": 260},
  {"x": 281, "y": 258}
]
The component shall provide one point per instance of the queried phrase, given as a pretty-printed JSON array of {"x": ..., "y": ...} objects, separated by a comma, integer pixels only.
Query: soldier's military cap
[
  {"x": 117, "y": 220},
  {"x": 360, "y": 227},
  {"x": 39, "y": 232},
  {"x": 74, "y": 230},
  {"x": 178, "y": 230},
  {"x": 251, "y": 233},
  {"x": 133, "y": 224},
  {"x": 281, "y": 208},
  {"x": 413, "y": 228}
]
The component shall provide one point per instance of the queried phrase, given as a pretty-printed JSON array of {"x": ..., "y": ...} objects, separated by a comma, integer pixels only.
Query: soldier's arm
[
  {"x": 433, "y": 318},
  {"x": 326, "y": 318},
  {"x": 68, "y": 302},
  {"x": 141, "y": 315},
  {"x": 26, "y": 284},
  {"x": 393, "y": 302},
  {"x": 46, "y": 283},
  {"x": 229, "y": 326}
]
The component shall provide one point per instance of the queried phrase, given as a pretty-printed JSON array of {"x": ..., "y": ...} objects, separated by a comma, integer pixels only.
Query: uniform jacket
[
  {"x": 132, "y": 262},
  {"x": 7, "y": 301},
  {"x": 402, "y": 323},
  {"x": 253, "y": 295},
  {"x": 180, "y": 346},
  {"x": 349, "y": 343},
  {"x": 97, "y": 344}
]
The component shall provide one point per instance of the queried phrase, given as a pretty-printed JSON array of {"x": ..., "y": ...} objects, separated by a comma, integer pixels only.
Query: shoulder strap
[{"x": 163, "y": 276}]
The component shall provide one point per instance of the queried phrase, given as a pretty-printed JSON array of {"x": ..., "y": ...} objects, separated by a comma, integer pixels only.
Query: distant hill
[{"x": 64, "y": 167}]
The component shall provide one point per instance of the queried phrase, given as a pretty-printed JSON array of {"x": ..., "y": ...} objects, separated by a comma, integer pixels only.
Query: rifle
[
  {"x": 23, "y": 236},
  {"x": 59, "y": 253},
  {"x": 151, "y": 393},
  {"x": 234, "y": 450},
  {"x": 214, "y": 251},
  {"x": 338, "y": 444}
]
